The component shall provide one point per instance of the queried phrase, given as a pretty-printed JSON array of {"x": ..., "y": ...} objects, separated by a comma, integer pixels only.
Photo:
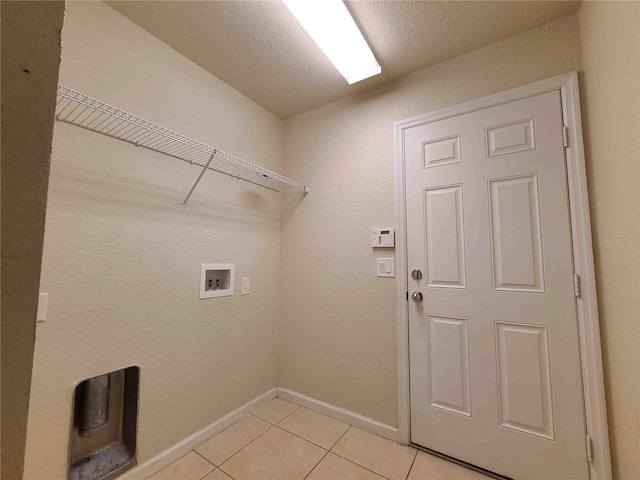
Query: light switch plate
[
  {"x": 43, "y": 303},
  {"x": 246, "y": 286},
  {"x": 386, "y": 267}
]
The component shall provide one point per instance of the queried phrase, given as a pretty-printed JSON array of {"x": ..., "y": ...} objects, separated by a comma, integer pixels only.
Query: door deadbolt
[
  {"x": 416, "y": 274},
  {"x": 416, "y": 296}
]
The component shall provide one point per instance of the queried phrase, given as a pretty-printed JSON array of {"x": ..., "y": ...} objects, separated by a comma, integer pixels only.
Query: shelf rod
[{"x": 184, "y": 204}]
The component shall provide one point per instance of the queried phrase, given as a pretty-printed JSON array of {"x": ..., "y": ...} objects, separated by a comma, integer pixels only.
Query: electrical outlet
[{"x": 43, "y": 302}]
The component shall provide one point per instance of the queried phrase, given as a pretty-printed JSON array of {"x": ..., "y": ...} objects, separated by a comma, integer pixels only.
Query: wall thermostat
[{"x": 382, "y": 237}]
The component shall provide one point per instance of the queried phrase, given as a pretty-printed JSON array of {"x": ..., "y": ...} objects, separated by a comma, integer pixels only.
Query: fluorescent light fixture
[{"x": 330, "y": 25}]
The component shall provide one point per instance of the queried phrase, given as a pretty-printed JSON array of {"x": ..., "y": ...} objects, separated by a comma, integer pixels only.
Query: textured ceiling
[{"x": 258, "y": 48}]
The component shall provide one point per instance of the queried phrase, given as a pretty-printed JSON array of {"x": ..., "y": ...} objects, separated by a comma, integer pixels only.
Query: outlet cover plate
[{"x": 43, "y": 302}]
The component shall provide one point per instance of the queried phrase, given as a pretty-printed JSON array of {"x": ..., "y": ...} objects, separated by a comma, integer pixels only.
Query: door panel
[
  {"x": 495, "y": 374},
  {"x": 515, "y": 234},
  {"x": 444, "y": 237},
  {"x": 524, "y": 379},
  {"x": 443, "y": 151},
  {"x": 449, "y": 364},
  {"x": 510, "y": 138}
]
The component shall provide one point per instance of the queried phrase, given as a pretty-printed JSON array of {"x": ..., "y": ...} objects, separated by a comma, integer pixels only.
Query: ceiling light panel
[{"x": 331, "y": 26}]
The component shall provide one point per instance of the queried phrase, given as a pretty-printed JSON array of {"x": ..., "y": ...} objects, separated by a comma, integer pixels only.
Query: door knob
[
  {"x": 416, "y": 274},
  {"x": 416, "y": 296}
]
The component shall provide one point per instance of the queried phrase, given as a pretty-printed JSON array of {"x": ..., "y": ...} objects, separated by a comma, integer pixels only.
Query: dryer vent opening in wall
[{"x": 102, "y": 442}]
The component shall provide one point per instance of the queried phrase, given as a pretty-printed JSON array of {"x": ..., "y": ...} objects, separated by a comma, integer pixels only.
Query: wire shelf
[{"x": 83, "y": 111}]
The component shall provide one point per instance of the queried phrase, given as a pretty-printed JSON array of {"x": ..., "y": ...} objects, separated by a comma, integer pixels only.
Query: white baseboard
[
  {"x": 173, "y": 453},
  {"x": 347, "y": 416}
]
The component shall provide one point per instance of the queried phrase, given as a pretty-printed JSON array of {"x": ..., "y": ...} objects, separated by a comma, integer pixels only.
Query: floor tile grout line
[
  {"x": 208, "y": 461},
  {"x": 256, "y": 416},
  {"x": 322, "y": 414},
  {"x": 345, "y": 432},
  {"x": 302, "y": 438},
  {"x": 214, "y": 469},
  {"x": 259, "y": 418},
  {"x": 366, "y": 468},
  {"x": 351, "y": 461},
  {"x": 271, "y": 425},
  {"x": 276, "y": 397},
  {"x": 176, "y": 461},
  {"x": 232, "y": 478},
  {"x": 326, "y": 453},
  {"x": 205, "y": 459},
  {"x": 361, "y": 466},
  {"x": 411, "y": 467},
  {"x": 263, "y": 433},
  {"x": 247, "y": 416},
  {"x": 288, "y": 414}
]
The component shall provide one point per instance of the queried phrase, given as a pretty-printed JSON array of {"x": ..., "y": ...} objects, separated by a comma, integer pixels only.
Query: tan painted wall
[
  {"x": 122, "y": 261},
  {"x": 610, "y": 87},
  {"x": 338, "y": 330},
  {"x": 30, "y": 63}
]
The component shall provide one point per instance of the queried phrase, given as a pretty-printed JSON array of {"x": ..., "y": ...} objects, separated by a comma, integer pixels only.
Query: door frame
[{"x": 596, "y": 435}]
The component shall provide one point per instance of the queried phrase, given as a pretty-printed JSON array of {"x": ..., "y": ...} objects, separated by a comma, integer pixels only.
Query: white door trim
[{"x": 590, "y": 346}]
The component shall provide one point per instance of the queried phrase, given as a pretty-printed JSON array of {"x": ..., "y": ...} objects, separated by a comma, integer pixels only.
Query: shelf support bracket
[{"x": 184, "y": 204}]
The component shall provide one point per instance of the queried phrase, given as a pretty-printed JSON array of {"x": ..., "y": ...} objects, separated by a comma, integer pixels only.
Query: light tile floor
[{"x": 283, "y": 441}]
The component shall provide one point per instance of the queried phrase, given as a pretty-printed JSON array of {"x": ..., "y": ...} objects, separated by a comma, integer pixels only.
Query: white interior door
[{"x": 495, "y": 375}]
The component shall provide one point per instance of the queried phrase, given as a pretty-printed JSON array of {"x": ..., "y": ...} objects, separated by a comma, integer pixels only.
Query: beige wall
[
  {"x": 338, "y": 330},
  {"x": 30, "y": 63},
  {"x": 610, "y": 87},
  {"x": 122, "y": 260}
]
